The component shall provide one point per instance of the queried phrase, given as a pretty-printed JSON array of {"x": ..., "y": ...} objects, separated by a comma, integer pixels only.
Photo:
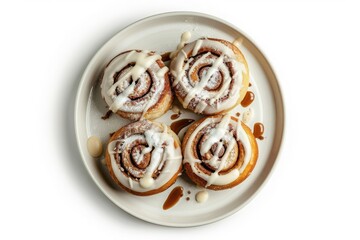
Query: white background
[{"x": 314, "y": 46}]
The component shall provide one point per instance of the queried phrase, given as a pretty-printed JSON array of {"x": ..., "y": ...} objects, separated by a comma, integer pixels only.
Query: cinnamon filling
[
  {"x": 132, "y": 163},
  {"x": 215, "y": 80},
  {"x": 198, "y": 71},
  {"x": 234, "y": 160},
  {"x": 214, "y": 148},
  {"x": 139, "y": 160},
  {"x": 142, "y": 85}
]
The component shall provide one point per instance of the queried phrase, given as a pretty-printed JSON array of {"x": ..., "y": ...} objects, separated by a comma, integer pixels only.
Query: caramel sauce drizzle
[
  {"x": 258, "y": 131},
  {"x": 248, "y": 99},
  {"x": 165, "y": 56},
  {"x": 107, "y": 115},
  {"x": 175, "y": 116},
  {"x": 173, "y": 197},
  {"x": 180, "y": 124}
]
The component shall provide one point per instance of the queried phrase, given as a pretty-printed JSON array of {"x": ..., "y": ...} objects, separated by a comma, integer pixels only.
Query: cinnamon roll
[
  {"x": 144, "y": 157},
  {"x": 210, "y": 76},
  {"x": 135, "y": 84},
  {"x": 219, "y": 152}
]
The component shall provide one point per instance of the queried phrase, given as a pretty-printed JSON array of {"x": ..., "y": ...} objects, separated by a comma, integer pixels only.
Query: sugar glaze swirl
[
  {"x": 135, "y": 84},
  {"x": 144, "y": 157},
  {"x": 210, "y": 76},
  {"x": 219, "y": 152}
]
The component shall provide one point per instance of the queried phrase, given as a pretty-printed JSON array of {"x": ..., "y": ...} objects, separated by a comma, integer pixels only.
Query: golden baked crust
[
  {"x": 165, "y": 96},
  {"x": 180, "y": 91},
  {"x": 138, "y": 128},
  {"x": 240, "y": 151}
]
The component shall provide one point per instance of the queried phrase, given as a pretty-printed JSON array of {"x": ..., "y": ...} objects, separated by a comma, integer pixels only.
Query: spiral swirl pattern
[
  {"x": 144, "y": 157},
  {"x": 210, "y": 76},
  {"x": 219, "y": 152},
  {"x": 135, "y": 84}
]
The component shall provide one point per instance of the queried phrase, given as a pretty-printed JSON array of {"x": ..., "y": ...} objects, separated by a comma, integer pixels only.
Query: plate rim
[{"x": 280, "y": 97}]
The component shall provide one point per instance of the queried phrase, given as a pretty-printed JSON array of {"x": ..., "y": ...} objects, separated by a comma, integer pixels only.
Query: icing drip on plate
[
  {"x": 202, "y": 196},
  {"x": 185, "y": 37}
]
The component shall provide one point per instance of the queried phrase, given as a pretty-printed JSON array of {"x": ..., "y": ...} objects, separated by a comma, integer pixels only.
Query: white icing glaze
[
  {"x": 175, "y": 109},
  {"x": 94, "y": 146},
  {"x": 164, "y": 157},
  {"x": 200, "y": 107},
  {"x": 213, "y": 177},
  {"x": 122, "y": 98},
  {"x": 178, "y": 75},
  {"x": 185, "y": 37},
  {"x": 202, "y": 196},
  {"x": 247, "y": 115},
  {"x": 197, "y": 46},
  {"x": 162, "y": 71},
  {"x": 202, "y": 83},
  {"x": 130, "y": 182},
  {"x": 218, "y": 135},
  {"x": 206, "y": 101},
  {"x": 143, "y": 61},
  {"x": 146, "y": 182},
  {"x": 238, "y": 42}
]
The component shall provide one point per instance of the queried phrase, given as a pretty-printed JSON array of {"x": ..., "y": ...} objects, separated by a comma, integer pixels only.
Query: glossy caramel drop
[
  {"x": 248, "y": 99},
  {"x": 173, "y": 197},
  {"x": 180, "y": 124},
  {"x": 165, "y": 56},
  {"x": 94, "y": 146},
  {"x": 107, "y": 115},
  {"x": 175, "y": 116},
  {"x": 258, "y": 131}
]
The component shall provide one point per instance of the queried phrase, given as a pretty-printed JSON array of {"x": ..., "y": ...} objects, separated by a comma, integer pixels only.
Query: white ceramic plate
[{"x": 161, "y": 33}]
